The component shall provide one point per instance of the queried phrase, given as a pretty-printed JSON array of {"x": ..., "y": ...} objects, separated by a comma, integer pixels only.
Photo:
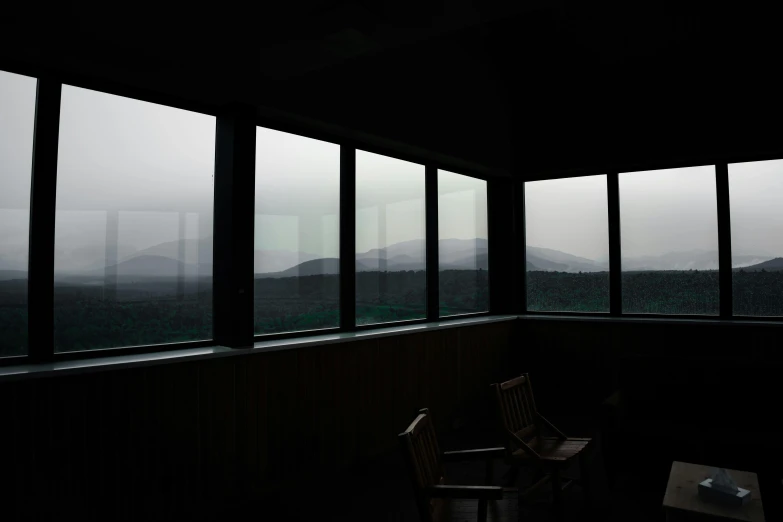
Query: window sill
[
  {"x": 90, "y": 365},
  {"x": 636, "y": 319}
]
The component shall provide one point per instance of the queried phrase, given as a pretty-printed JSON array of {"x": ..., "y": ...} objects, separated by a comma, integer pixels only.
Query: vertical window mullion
[
  {"x": 347, "y": 238},
  {"x": 431, "y": 241},
  {"x": 235, "y": 142},
  {"x": 615, "y": 263},
  {"x": 501, "y": 234},
  {"x": 520, "y": 242},
  {"x": 43, "y": 198},
  {"x": 724, "y": 241}
]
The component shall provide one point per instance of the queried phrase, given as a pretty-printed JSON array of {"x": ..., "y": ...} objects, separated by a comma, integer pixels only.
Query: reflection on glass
[
  {"x": 755, "y": 192},
  {"x": 297, "y": 237},
  {"x": 669, "y": 236},
  {"x": 17, "y": 114},
  {"x": 462, "y": 244},
  {"x": 133, "y": 227},
  {"x": 567, "y": 236},
  {"x": 390, "y": 248}
]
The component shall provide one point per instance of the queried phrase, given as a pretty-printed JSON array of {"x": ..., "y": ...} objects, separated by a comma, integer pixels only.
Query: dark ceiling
[{"x": 537, "y": 88}]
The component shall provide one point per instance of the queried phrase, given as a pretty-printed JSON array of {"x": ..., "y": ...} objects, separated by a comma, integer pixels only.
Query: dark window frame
[
  {"x": 41, "y": 348},
  {"x": 615, "y": 270}
]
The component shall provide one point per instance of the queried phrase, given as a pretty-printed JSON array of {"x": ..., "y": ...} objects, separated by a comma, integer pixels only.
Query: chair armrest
[
  {"x": 471, "y": 492},
  {"x": 474, "y": 454}
]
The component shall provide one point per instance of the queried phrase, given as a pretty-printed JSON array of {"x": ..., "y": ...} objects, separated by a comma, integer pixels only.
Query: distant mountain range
[
  {"x": 772, "y": 265},
  {"x": 553, "y": 260},
  {"x": 162, "y": 260},
  {"x": 456, "y": 254}
]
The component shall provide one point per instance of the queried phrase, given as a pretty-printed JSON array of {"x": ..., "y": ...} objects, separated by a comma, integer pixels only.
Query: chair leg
[
  {"x": 584, "y": 472},
  {"x": 557, "y": 495}
]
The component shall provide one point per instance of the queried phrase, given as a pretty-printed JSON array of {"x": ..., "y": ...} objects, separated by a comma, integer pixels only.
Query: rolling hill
[
  {"x": 10, "y": 275},
  {"x": 151, "y": 266},
  {"x": 772, "y": 265}
]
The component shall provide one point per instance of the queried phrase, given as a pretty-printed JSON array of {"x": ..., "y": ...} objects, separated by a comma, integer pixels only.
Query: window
[
  {"x": 669, "y": 241},
  {"x": 567, "y": 234},
  {"x": 17, "y": 115},
  {"x": 390, "y": 245},
  {"x": 133, "y": 224},
  {"x": 755, "y": 191},
  {"x": 462, "y": 244},
  {"x": 297, "y": 242}
]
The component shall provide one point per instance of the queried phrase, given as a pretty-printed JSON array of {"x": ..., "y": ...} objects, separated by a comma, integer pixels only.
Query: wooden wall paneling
[
  {"x": 178, "y": 440},
  {"x": 93, "y": 481},
  {"x": 347, "y": 401},
  {"x": 42, "y": 447},
  {"x": 468, "y": 367},
  {"x": 323, "y": 402},
  {"x": 388, "y": 352},
  {"x": 380, "y": 393},
  {"x": 408, "y": 382},
  {"x": 217, "y": 424},
  {"x": 282, "y": 414},
  {"x": 260, "y": 374},
  {"x": 433, "y": 376},
  {"x": 332, "y": 406},
  {"x": 114, "y": 391},
  {"x": 118, "y": 460},
  {"x": 247, "y": 413},
  {"x": 139, "y": 455},
  {"x": 172, "y": 395},
  {"x": 366, "y": 356},
  {"x": 9, "y": 435},
  {"x": 313, "y": 398},
  {"x": 27, "y": 478},
  {"x": 68, "y": 458}
]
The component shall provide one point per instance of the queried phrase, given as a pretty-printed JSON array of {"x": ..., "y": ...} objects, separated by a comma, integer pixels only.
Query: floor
[{"x": 381, "y": 490}]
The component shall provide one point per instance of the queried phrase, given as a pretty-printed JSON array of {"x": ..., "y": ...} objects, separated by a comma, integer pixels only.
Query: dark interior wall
[
  {"x": 186, "y": 440},
  {"x": 674, "y": 365}
]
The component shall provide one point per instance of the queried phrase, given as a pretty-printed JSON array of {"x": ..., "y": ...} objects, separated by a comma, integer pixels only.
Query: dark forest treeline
[
  {"x": 142, "y": 312},
  {"x": 756, "y": 293}
]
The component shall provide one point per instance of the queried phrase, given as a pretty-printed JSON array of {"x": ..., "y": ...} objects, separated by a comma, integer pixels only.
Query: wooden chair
[
  {"x": 530, "y": 446},
  {"x": 437, "y": 500}
]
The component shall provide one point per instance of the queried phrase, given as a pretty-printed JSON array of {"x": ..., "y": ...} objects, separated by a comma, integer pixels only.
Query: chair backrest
[
  {"x": 518, "y": 409},
  {"x": 424, "y": 463}
]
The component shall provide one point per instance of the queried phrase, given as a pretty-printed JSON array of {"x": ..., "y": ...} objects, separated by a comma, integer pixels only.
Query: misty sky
[
  {"x": 672, "y": 210},
  {"x": 756, "y": 197},
  {"x": 661, "y": 211},
  {"x": 17, "y": 110},
  {"x": 462, "y": 206},
  {"x": 569, "y": 215},
  {"x": 151, "y": 163}
]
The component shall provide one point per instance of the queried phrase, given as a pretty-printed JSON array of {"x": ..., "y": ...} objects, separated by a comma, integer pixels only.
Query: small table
[{"x": 682, "y": 500}]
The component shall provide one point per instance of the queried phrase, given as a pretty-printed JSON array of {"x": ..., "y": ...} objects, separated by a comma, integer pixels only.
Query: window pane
[
  {"x": 462, "y": 244},
  {"x": 756, "y": 191},
  {"x": 390, "y": 249},
  {"x": 567, "y": 234},
  {"x": 297, "y": 242},
  {"x": 133, "y": 228},
  {"x": 669, "y": 236},
  {"x": 17, "y": 114}
]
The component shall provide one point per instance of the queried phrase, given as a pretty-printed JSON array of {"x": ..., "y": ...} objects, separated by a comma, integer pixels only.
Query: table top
[{"x": 682, "y": 493}]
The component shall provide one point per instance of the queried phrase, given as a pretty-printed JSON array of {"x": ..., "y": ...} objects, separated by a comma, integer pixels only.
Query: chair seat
[
  {"x": 505, "y": 510},
  {"x": 552, "y": 449}
]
